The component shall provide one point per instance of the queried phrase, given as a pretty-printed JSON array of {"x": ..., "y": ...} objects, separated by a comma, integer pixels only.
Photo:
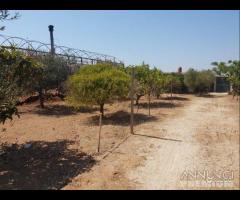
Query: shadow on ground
[
  {"x": 43, "y": 165},
  {"x": 63, "y": 110},
  {"x": 121, "y": 118},
  {"x": 159, "y": 105},
  {"x": 175, "y": 98},
  {"x": 210, "y": 96}
]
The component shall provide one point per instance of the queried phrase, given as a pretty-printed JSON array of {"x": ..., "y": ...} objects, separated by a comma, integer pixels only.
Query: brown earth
[{"x": 55, "y": 147}]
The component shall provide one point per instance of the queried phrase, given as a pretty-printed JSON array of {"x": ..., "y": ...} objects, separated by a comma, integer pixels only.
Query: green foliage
[
  {"x": 232, "y": 71},
  {"x": 5, "y": 16},
  {"x": 190, "y": 79},
  {"x": 173, "y": 83},
  {"x": 141, "y": 74},
  {"x": 16, "y": 72},
  {"x": 204, "y": 80},
  {"x": 97, "y": 85},
  {"x": 54, "y": 72},
  {"x": 198, "y": 81},
  {"x": 159, "y": 82}
]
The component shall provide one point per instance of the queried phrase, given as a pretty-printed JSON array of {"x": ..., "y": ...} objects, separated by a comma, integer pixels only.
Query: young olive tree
[
  {"x": 97, "y": 85},
  {"x": 159, "y": 83},
  {"x": 172, "y": 83},
  {"x": 141, "y": 77}
]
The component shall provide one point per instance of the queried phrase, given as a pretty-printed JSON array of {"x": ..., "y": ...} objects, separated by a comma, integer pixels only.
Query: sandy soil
[
  {"x": 55, "y": 148},
  {"x": 200, "y": 136}
]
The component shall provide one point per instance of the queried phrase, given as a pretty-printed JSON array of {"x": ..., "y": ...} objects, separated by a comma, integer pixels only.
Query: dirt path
[
  {"x": 204, "y": 137},
  {"x": 208, "y": 134}
]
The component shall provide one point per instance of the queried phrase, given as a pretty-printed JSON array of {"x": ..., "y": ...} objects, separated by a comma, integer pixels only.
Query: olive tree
[
  {"x": 190, "y": 79},
  {"x": 204, "y": 80},
  {"x": 198, "y": 81},
  {"x": 97, "y": 85},
  {"x": 54, "y": 72}
]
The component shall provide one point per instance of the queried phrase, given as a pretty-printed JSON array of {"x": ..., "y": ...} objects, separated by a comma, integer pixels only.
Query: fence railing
[{"x": 77, "y": 56}]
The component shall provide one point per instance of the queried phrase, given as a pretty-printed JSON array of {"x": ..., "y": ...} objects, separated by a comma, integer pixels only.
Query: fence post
[
  {"x": 132, "y": 102},
  {"x": 99, "y": 133}
]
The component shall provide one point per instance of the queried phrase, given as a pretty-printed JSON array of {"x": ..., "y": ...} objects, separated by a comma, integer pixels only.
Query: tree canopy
[
  {"x": 16, "y": 74},
  {"x": 199, "y": 81},
  {"x": 97, "y": 84}
]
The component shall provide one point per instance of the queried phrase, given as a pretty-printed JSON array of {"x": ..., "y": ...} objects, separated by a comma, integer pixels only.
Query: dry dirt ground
[{"x": 55, "y": 148}]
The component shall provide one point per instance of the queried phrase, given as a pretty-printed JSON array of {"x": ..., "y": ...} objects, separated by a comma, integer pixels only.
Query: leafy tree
[
  {"x": 140, "y": 76},
  {"x": 173, "y": 83},
  {"x": 190, "y": 79},
  {"x": 96, "y": 85},
  {"x": 5, "y": 16},
  {"x": 159, "y": 83},
  {"x": 204, "y": 80},
  {"x": 16, "y": 73},
  {"x": 54, "y": 72},
  {"x": 198, "y": 81}
]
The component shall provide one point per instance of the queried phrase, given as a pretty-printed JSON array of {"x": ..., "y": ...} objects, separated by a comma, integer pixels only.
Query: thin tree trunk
[
  {"x": 101, "y": 109},
  {"x": 149, "y": 95},
  {"x": 138, "y": 98},
  {"x": 41, "y": 98}
]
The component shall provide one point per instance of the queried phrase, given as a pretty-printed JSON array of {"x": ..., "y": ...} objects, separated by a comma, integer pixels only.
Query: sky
[{"x": 163, "y": 39}]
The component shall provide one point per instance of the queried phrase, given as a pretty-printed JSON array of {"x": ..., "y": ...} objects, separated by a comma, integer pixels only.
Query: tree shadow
[
  {"x": 209, "y": 96},
  {"x": 175, "y": 98},
  {"x": 63, "y": 110},
  {"x": 121, "y": 118},
  {"x": 159, "y": 105},
  {"x": 43, "y": 165}
]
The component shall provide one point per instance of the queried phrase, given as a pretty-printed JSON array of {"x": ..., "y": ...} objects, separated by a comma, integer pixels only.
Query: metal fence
[{"x": 74, "y": 56}]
